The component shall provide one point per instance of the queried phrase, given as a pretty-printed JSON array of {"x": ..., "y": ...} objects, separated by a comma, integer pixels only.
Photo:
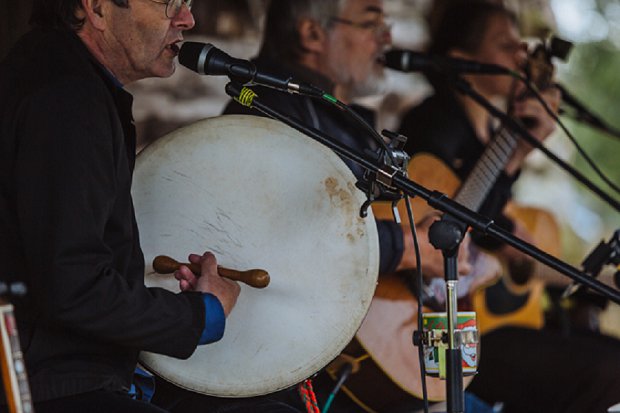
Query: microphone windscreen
[
  {"x": 394, "y": 59},
  {"x": 407, "y": 60},
  {"x": 193, "y": 55}
]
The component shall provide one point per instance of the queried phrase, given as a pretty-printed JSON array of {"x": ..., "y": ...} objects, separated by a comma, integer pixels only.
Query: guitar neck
[
  {"x": 14, "y": 376},
  {"x": 486, "y": 171}
]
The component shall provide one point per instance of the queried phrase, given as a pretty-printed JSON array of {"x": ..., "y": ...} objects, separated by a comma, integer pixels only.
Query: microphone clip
[
  {"x": 604, "y": 253},
  {"x": 392, "y": 159}
]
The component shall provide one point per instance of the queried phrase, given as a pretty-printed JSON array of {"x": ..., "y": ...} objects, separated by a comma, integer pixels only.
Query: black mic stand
[
  {"x": 446, "y": 235},
  {"x": 604, "y": 253},
  {"x": 465, "y": 88},
  {"x": 392, "y": 178},
  {"x": 582, "y": 114}
]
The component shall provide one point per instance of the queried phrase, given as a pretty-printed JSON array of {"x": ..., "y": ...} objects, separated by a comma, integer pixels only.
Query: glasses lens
[
  {"x": 170, "y": 9},
  {"x": 174, "y": 7}
]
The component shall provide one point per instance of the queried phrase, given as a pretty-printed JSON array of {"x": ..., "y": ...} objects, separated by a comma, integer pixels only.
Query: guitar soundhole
[{"x": 502, "y": 301}]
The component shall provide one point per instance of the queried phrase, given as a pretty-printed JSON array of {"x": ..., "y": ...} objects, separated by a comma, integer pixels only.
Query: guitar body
[
  {"x": 386, "y": 367},
  {"x": 520, "y": 305},
  {"x": 386, "y": 364}
]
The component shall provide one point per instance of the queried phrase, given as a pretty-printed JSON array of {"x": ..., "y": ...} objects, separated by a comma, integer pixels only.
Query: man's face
[
  {"x": 141, "y": 41},
  {"x": 355, "y": 46},
  {"x": 500, "y": 45}
]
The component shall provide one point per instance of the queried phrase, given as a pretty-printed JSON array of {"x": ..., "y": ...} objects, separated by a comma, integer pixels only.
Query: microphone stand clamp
[
  {"x": 378, "y": 186},
  {"x": 604, "y": 253}
]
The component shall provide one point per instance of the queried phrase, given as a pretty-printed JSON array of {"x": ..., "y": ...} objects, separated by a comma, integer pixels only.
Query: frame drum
[{"x": 259, "y": 194}]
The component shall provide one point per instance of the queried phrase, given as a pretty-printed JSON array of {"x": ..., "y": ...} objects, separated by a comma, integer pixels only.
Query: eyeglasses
[
  {"x": 173, "y": 7},
  {"x": 378, "y": 27}
]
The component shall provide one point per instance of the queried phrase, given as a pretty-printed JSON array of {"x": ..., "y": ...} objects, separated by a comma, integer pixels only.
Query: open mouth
[{"x": 174, "y": 48}]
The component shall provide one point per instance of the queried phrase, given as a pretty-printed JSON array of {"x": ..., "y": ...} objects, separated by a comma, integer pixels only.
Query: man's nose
[
  {"x": 184, "y": 20},
  {"x": 384, "y": 34}
]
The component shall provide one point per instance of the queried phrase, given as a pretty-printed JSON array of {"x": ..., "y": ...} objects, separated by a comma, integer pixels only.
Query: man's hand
[
  {"x": 541, "y": 125},
  {"x": 209, "y": 281}
]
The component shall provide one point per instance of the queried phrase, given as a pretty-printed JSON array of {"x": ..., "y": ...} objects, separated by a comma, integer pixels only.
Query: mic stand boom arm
[
  {"x": 465, "y": 88},
  {"x": 393, "y": 178},
  {"x": 435, "y": 199},
  {"x": 583, "y": 114}
]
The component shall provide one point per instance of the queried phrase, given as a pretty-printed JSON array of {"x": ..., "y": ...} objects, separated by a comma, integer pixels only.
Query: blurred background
[{"x": 591, "y": 73}]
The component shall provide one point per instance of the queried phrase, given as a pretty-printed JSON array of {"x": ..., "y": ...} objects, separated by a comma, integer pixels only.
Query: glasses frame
[
  {"x": 170, "y": 13},
  {"x": 379, "y": 28}
]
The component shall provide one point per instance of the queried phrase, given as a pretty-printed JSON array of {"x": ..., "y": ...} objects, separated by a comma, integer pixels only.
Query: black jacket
[
  {"x": 335, "y": 124},
  {"x": 67, "y": 225}
]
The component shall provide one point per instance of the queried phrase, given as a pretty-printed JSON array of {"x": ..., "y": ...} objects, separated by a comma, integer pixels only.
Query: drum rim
[{"x": 268, "y": 125}]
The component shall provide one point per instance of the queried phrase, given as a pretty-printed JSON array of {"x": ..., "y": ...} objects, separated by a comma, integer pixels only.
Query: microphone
[
  {"x": 410, "y": 61},
  {"x": 206, "y": 59}
]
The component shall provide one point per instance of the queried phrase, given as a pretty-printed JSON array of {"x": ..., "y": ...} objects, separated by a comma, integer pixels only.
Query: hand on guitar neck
[
  {"x": 540, "y": 72},
  {"x": 538, "y": 123}
]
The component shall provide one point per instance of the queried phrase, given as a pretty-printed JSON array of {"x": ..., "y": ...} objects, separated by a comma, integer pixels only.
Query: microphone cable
[
  {"x": 420, "y": 282},
  {"x": 358, "y": 120},
  {"x": 536, "y": 93},
  {"x": 345, "y": 371},
  {"x": 343, "y": 374}
]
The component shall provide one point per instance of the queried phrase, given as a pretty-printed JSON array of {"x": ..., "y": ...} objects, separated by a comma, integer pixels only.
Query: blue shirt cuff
[{"x": 215, "y": 320}]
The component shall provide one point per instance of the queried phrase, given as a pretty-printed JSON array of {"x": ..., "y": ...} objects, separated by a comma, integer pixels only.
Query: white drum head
[{"x": 259, "y": 194}]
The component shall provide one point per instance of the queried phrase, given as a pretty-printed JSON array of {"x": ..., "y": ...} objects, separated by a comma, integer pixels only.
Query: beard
[
  {"x": 345, "y": 79},
  {"x": 374, "y": 84}
]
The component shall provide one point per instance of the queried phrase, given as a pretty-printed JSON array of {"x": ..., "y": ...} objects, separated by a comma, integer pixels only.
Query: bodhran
[{"x": 259, "y": 195}]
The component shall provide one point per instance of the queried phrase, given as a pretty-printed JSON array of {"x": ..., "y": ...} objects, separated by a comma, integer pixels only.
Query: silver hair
[
  {"x": 323, "y": 10},
  {"x": 281, "y": 40}
]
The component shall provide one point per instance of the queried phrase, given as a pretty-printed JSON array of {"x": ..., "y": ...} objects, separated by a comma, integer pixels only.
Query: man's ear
[
  {"x": 94, "y": 12},
  {"x": 311, "y": 35}
]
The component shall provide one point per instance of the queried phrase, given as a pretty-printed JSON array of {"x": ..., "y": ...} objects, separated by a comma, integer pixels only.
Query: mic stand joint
[
  {"x": 604, "y": 253},
  {"x": 378, "y": 185}
]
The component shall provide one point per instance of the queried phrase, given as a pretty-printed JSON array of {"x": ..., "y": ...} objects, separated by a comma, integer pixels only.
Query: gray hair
[
  {"x": 281, "y": 40},
  {"x": 322, "y": 10}
]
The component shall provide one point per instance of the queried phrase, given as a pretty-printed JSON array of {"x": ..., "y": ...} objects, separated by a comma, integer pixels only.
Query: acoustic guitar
[
  {"x": 382, "y": 351},
  {"x": 505, "y": 303}
]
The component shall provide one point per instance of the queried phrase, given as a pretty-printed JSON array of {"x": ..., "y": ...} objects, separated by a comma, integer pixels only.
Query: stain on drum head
[{"x": 259, "y": 195}]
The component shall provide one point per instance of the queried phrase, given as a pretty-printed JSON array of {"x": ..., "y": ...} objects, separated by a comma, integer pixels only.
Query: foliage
[{"x": 592, "y": 77}]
